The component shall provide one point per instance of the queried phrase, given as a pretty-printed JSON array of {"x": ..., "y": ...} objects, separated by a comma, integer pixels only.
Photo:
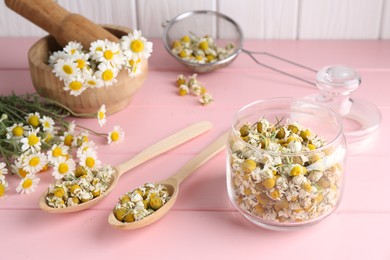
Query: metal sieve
[{"x": 223, "y": 30}]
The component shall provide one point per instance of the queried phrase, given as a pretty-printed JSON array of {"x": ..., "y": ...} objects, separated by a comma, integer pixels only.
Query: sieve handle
[{"x": 252, "y": 53}]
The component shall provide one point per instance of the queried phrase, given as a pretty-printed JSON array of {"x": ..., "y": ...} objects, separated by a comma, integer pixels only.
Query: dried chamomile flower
[
  {"x": 200, "y": 49},
  {"x": 194, "y": 87},
  {"x": 283, "y": 186},
  {"x": 141, "y": 202}
]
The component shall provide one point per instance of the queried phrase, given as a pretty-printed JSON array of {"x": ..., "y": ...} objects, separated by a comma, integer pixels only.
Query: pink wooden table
[{"x": 203, "y": 223}]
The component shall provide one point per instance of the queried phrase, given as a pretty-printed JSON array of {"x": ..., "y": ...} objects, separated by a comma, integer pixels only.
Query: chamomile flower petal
[
  {"x": 136, "y": 46},
  {"x": 58, "y": 55},
  {"x": 3, "y": 187},
  {"x": 28, "y": 184},
  {"x": 117, "y": 135},
  {"x": 82, "y": 60},
  {"x": 3, "y": 169},
  {"x": 101, "y": 115},
  {"x": 90, "y": 145},
  {"x": 96, "y": 48},
  {"x": 62, "y": 167},
  {"x": 34, "y": 162}
]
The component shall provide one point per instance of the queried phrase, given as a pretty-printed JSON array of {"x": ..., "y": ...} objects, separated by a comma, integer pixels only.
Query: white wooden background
[{"x": 261, "y": 19}]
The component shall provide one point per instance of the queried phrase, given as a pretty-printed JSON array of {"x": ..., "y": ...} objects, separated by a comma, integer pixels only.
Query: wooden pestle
[{"x": 61, "y": 24}]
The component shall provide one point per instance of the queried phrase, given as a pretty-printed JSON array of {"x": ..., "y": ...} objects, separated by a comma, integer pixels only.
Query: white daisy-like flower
[
  {"x": 89, "y": 160},
  {"x": 101, "y": 115},
  {"x": 3, "y": 186},
  {"x": 17, "y": 166},
  {"x": 85, "y": 146},
  {"x": 116, "y": 136},
  {"x": 3, "y": 169},
  {"x": 133, "y": 67},
  {"x": 32, "y": 119},
  {"x": 91, "y": 81},
  {"x": 56, "y": 152},
  {"x": 73, "y": 48},
  {"x": 34, "y": 162},
  {"x": 16, "y": 131},
  {"x": 111, "y": 54},
  {"x": 136, "y": 46},
  {"x": 82, "y": 60},
  {"x": 63, "y": 166},
  {"x": 32, "y": 141},
  {"x": 206, "y": 99},
  {"x": 107, "y": 74},
  {"x": 81, "y": 138},
  {"x": 28, "y": 184},
  {"x": 47, "y": 124},
  {"x": 96, "y": 48},
  {"x": 66, "y": 69},
  {"x": 75, "y": 85},
  {"x": 56, "y": 56},
  {"x": 67, "y": 138}
]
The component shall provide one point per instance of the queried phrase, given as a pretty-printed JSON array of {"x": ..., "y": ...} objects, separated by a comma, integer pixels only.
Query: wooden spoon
[
  {"x": 147, "y": 154},
  {"x": 63, "y": 25},
  {"x": 172, "y": 184}
]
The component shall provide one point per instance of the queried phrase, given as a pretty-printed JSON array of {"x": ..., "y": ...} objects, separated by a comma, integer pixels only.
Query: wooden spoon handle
[
  {"x": 211, "y": 150},
  {"x": 57, "y": 21},
  {"x": 164, "y": 145}
]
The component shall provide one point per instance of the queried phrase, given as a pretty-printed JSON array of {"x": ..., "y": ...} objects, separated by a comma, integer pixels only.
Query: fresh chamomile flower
[
  {"x": 32, "y": 141},
  {"x": 3, "y": 186},
  {"x": 17, "y": 167},
  {"x": 75, "y": 85},
  {"x": 66, "y": 69},
  {"x": 3, "y": 169},
  {"x": 117, "y": 135},
  {"x": 34, "y": 162},
  {"x": 73, "y": 48},
  {"x": 91, "y": 81},
  {"x": 107, "y": 74},
  {"x": 133, "y": 67},
  {"x": 67, "y": 138},
  {"x": 58, "y": 55},
  {"x": 96, "y": 48},
  {"x": 62, "y": 167},
  {"x": 16, "y": 131},
  {"x": 28, "y": 184},
  {"x": 101, "y": 115},
  {"x": 33, "y": 119},
  {"x": 136, "y": 46},
  {"x": 82, "y": 60},
  {"x": 111, "y": 54},
  {"x": 56, "y": 152},
  {"x": 85, "y": 146},
  {"x": 47, "y": 123},
  {"x": 89, "y": 160},
  {"x": 81, "y": 138}
]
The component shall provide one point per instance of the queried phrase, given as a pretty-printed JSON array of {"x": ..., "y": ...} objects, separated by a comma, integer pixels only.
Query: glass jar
[{"x": 285, "y": 162}]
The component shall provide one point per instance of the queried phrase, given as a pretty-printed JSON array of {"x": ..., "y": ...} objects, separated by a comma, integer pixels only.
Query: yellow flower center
[
  {"x": 34, "y": 161},
  {"x": 27, "y": 184},
  {"x": 73, "y": 51},
  {"x": 48, "y": 137},
  {"x": 137, "y": 46},
  {"x": 101, "y": 115},
  {"x": 114, "y": 136},
  {"x": 186, "y": 38},
  {"x": 47, "y": 124},
  {"x": 107, "y": 75},
  {"x": 91, "y": 82},
  {"x": 33, "y": 120},
  {"x": 57, "y": 152},
  {"x": 108, "y": 54},
  {"x": 204, "y": 45},
  {"x": 90, "y": 162},
  {"x": 80, "y": 63},
  {"x": 63, "y": 168},
  {"x": 75, "y": 85},
  {"x": 98, "y": 49},
  {"x": 33, "y": 140},
  {"x": 67, "y": 69},
  {"x": 68, "y": 140},
  {"x": 2, "y": 190},
  {"x": 17, "y": 131},
  {"x": 22, "y": 172}
]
